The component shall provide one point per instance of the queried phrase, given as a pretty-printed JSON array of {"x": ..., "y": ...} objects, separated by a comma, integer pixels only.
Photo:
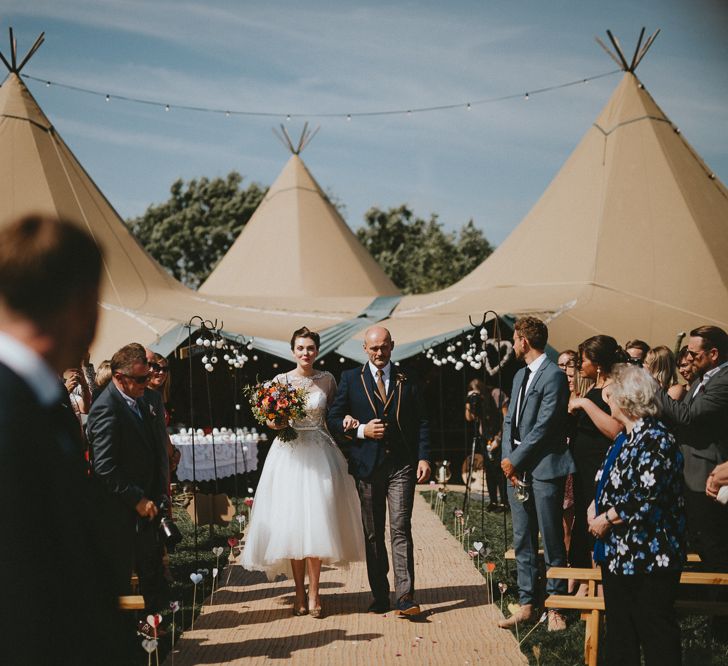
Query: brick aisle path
[{"x": 251, "y": 622}]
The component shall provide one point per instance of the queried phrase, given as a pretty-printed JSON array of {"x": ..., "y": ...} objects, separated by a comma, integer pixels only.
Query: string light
[{"x": 408, "y": 111}]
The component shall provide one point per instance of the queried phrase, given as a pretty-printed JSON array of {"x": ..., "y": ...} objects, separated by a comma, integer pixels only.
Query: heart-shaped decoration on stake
[
  {"x": 174, "y": 606},
  {"x": 478, "y": 545},
  {"x": 150, "y": 645},
  {"x": 217, "y": 550},
  {"x": 215, "y": 571},
  {"x": 154, "y": 620},
  {"x": 502, "y": 587},
  {"x": 204, "y": 572},
  {"x": 496, "y": 356},
  {"x": 232, "y": 542},
  {"x": 196, "y": 578}
]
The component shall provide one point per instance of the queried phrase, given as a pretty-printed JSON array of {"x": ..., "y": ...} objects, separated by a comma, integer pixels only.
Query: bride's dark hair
[{"x": 305, "y": 332}]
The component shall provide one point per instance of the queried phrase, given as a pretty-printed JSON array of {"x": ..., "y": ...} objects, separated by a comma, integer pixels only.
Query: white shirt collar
[
  {"x": 129, "y": 400},
  {"x": 31, "y": 368},
  {"x": 386, "y": 370},
  {"x": 534, "y": 365},
  {"x": 708, "y": 375}
]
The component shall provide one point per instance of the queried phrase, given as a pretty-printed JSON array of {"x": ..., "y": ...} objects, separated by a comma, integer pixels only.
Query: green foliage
[
  {"x": 191, "y": 231},
  {"x": 417, "y": 254}
]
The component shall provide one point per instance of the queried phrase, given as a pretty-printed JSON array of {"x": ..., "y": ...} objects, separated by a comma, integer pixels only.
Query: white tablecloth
[{"x": 225, "y": 447}]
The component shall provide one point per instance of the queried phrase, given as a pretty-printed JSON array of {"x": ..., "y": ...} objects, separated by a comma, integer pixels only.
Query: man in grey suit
[
  {"x": 535, "y": 452},
  {"x": 701, "y": 420}
]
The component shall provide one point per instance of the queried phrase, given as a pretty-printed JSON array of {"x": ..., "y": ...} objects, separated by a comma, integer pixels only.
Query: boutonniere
[
  {"x": 151, "y": 411},
  {"x": 400, "y": 378}
]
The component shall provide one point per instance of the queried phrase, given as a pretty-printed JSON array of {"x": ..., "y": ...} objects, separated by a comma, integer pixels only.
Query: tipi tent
[
  {"x": 645, "y": 222},
  {"x": 297, "y": 232},
  {"x": 140, "y": 301}
]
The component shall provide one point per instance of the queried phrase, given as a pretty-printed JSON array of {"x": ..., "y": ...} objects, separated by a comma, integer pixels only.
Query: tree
[
  {"x": 417, "y": 254},
  {"x": 189, "y": 233}
]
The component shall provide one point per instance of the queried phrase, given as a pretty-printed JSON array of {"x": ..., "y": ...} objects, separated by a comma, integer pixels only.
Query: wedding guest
[
  {"x": 536, "y": 457},
  {"x": 686, "y": 368},
  {"x": 131, "y": 467},
  {"x": 594, "y": 433},
  {"x": 660, "y": 363},
  {"x": 636, "y": 351},
  {"x": 79, "y": 393},
  {"x": 701, "y": 423},
  {"x": 567, "y": 362},
  {"x": 103, "y": 377},
  {"x": 158, "y": 395},
  {"x": 482, "y": 411},
  {"x": 58, "y": 608},
  {"x": 639, "y": 521}
]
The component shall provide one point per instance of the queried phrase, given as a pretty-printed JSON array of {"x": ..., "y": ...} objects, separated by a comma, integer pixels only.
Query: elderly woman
[{"x": 639, "y": 521}]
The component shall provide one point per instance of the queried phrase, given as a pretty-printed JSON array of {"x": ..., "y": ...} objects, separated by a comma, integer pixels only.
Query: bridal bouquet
[{"x": 279, "y": 402}]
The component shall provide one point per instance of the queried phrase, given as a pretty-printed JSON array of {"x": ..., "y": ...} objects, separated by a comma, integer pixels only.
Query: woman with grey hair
[{"x": 638, "y": 518}]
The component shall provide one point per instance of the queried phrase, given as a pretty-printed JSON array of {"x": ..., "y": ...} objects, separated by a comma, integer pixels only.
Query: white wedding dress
[{"x": 306, "y": 504}]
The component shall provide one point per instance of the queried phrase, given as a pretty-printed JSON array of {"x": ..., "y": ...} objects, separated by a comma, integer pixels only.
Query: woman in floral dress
[{"x": 639, "y": 521}]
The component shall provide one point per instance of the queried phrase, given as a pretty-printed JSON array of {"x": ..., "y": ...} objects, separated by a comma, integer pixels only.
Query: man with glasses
[
  {"x": 130, "y": 462},
  {"x": 701, "y": 418}
]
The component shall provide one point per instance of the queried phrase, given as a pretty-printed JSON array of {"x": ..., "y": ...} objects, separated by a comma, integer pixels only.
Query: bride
[{"x": 306, "y": 508}]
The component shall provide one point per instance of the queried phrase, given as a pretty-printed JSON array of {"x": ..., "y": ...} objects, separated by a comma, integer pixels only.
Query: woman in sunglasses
[{"x": 159, "y": 381}]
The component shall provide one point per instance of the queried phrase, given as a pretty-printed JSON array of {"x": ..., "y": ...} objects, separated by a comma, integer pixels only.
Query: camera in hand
[
  {"x": 168, "y": 529},
  {"x": 475, "y": 402}
]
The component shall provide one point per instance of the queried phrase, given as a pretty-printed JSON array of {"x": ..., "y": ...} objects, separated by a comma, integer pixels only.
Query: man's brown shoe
[
  {"x": 524, "y": 614},
  {"x": 557, "y": 622}
]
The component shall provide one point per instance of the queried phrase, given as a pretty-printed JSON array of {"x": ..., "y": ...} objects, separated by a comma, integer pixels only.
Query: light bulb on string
[
  {"x": 348, "y": 117},
  {"x": 227, "y": 114},
  {"x": 108, "y": 98},
  {"x": 166, "y": 107},
  {"x": 526, "y": 97},
  {"x": 288, "y": 117},
  {"x": 469, "y": 107},
  {"x": 48, "y": 84}
]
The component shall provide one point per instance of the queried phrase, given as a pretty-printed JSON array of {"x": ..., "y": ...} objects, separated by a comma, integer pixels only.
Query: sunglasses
[
  {"x": 159, "y": 368},
  {"x": 138, "y": 380}
]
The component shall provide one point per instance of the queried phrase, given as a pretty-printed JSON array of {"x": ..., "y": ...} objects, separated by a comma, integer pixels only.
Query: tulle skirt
[{"x": 306, "y": 505}]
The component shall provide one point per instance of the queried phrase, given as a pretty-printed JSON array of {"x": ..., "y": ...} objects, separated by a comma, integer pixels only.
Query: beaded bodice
[{"x": 321, "y": 388}]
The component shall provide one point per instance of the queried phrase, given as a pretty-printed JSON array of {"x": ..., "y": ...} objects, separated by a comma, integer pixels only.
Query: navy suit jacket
[
  {"x": 543, "y": 450},
  {"x": 129, "y": 455},
  {"x": 46, "y": 498},
  {"x": 408, "y": 429}
]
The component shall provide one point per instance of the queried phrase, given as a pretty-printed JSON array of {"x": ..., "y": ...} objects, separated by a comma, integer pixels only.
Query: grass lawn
[{"x": 565, "y": 647}]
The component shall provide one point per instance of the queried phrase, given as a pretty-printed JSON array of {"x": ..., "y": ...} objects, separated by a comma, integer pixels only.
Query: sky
[{"x": 489, "y": 163}]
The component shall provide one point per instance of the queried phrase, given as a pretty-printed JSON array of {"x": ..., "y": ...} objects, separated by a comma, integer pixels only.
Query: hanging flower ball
[
  {"x": 199, "y": 342},
  {"x": 204, "y": 360},
  {"x": 209, "y": 367},
  {"x": 214, "y": 359},
  {"x": 206, "y": 342}
]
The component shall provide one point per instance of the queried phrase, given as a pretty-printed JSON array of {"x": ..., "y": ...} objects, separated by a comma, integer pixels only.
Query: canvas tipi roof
[
  {"x": 297, "y": 236},
  {"x": 630, "y": 239},
  {"x": 140, "y": 301}
]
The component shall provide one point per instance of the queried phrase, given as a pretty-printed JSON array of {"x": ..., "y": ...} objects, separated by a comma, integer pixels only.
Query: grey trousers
[
  {"x": 392, "y": 484},
  {"x": 541, "y": 513}
]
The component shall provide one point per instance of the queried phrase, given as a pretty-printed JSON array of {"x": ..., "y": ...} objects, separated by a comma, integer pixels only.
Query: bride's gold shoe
[
  {"x": 298, "y": 611},
  {"x": 316, "y": 611}
]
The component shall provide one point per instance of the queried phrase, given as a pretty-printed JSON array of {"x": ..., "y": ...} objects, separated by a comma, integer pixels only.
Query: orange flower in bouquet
[{"x": 279, "y": 402}]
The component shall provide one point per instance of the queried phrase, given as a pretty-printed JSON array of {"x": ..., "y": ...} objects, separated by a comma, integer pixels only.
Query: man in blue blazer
[
  {"x": 535, "y": 452},
  {"x": 388, "y": 456}
]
